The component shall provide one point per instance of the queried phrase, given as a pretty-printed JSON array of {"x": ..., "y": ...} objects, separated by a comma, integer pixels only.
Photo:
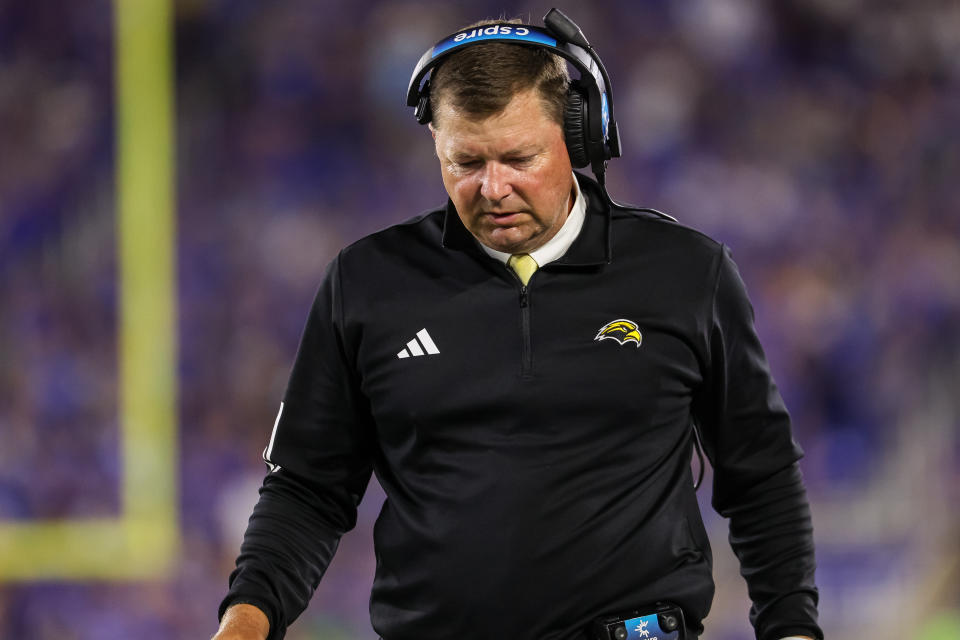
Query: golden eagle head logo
[{"x": 623, "y": 331}]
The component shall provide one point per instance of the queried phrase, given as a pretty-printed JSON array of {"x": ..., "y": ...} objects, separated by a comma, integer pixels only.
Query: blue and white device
[{"x": 662, "y": 621}]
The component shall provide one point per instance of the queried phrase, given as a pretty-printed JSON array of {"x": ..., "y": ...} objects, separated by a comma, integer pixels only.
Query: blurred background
[{"x": 820, "y": 139}]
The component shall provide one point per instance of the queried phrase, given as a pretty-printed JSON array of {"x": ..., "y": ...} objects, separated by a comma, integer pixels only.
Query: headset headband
[{"x": 561, "y": 37}]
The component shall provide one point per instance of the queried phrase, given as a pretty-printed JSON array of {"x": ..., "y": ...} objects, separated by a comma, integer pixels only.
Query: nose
[{"x": 495, "y": 182}]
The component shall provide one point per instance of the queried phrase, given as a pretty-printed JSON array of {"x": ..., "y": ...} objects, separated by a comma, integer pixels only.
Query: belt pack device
[{"x": 663, "y": 621}]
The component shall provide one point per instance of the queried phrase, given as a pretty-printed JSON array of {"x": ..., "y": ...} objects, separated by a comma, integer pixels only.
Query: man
[{"x": 529, "y": 421}]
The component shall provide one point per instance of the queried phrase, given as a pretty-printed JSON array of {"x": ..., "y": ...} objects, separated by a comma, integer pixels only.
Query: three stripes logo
[{"x": 421, "y": 345}]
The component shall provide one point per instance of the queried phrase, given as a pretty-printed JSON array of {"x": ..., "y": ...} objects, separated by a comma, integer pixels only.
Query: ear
[{"x": 433, "y": 132}]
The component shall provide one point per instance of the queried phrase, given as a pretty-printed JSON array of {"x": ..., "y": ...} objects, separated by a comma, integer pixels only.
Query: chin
[
  {"x": 508, "y": 247},
  {"x": 494, "y": 241}
]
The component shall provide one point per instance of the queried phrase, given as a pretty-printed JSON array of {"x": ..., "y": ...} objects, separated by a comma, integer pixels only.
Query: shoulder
[
  {"x": 642, "y": 229},
  {"x": 402, "y": 238},
  {"x": 637, "y": 230}
]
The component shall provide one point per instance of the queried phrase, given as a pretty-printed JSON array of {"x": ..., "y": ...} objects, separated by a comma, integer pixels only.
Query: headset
[{"x": 589, "y": 126}]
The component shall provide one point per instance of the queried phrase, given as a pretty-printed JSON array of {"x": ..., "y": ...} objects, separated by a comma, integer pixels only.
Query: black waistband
[{"x": 690, "y": 636}]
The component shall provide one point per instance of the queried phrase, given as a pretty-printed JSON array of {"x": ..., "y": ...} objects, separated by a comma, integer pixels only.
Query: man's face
[{"x": 509, "y": 176}]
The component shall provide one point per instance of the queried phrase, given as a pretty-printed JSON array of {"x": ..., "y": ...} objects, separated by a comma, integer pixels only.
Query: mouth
[{"x": 505, "y": 218}]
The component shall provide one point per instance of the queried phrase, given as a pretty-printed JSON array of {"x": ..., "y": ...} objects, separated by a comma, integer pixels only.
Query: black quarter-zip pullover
[{"x": 534, "y": 453}]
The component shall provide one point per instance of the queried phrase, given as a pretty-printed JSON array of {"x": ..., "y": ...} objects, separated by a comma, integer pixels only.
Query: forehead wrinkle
[
  {"x": 521, "y": 129},
  {"x": 476, "y": 140},
  {"x": 531, "y": 148}
]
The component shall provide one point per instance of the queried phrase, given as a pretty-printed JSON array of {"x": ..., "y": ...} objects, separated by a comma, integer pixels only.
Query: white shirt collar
[{"x": 556, "y": 246}]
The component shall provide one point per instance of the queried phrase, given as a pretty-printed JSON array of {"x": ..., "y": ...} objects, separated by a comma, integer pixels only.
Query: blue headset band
[{"x": 514, "y": 33}]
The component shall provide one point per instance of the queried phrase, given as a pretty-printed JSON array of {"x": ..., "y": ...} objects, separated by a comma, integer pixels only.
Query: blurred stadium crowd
[{"x": 819, "y": 139}]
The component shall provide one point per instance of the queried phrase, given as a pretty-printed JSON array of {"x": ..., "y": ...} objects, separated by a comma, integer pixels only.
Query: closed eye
[
  {"x": 520, "y": 160},
  {"x": 466, "y": 163}
]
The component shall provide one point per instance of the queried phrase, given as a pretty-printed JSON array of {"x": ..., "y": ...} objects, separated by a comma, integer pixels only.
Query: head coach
[{"x": 528, "y": 371}]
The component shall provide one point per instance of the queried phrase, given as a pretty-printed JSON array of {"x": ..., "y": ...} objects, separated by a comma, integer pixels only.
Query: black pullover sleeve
[
  {"x": 757, "y": 482},
  {"x": 321, "y": 462}
]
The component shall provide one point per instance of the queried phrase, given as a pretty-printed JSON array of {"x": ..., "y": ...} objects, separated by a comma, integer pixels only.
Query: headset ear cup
[
  {"x": 423, "y": 113},
  {"x": 575, "y": 128}
]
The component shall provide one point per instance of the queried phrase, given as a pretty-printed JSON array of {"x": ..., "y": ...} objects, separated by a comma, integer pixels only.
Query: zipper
[{"x": 526, "y": 356}]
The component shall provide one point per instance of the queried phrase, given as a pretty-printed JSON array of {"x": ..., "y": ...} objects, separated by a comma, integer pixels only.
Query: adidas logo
[{"x": 417, "y": 348}]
